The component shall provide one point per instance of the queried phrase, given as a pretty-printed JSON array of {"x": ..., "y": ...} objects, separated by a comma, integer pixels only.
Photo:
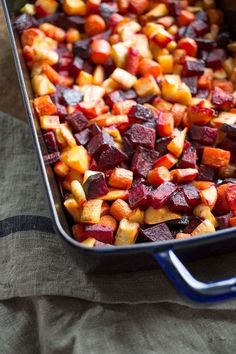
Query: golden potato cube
[
  {"x": 147, "y": 85},
  {"x": 124, "y": 78},
  {"x": 127, "y": 233},
  {"x": 78, "y": 159}
]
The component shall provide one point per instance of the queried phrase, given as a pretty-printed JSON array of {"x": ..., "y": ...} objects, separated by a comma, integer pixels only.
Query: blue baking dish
[{"x": 170, "y": 255}]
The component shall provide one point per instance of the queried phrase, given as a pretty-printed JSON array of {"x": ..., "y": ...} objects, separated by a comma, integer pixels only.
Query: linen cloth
[{"x": 50, "y": 306}]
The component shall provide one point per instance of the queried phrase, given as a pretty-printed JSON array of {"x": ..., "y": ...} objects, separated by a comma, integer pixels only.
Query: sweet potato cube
[
  {"x": 49, "y": 122},
  {"x": 146, "y": 85},
  {"x": 127, "y": 233},
  {"x": 121, "y": 178},
  {"x": 78, "y": 159},
  {"x": 78, "y": 192},
  {"x": 108, "y": 220},
  {"x": 120, "y": 210},
  {"x": 73, "y": 209},
  {"x": 205, "y": 227},
  {"x": 91, "y": 212},
  {"x": 155, "y": 216},
  {"x": 124, "y": 78},
  {"x": 159, "y": 175},
  {"x": 165, "y": 124},
  {"x": 167, "y": 161},
  {"x": 214, "y": 157},
  {"x": 177, "y": 144},
  {"x": 44, "y": 106}
]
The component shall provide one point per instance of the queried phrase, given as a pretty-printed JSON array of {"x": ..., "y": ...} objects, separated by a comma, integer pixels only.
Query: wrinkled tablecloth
[{"x": 48, "y": 305}]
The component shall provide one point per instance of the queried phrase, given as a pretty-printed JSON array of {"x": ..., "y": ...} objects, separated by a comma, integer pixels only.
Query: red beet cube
[
  {"x": 191, "y": 195},
  {"x": 206, "y": 173},
  {"x": 178, "y": 203},
  {"x": 230, "y": 130},
  {"x": 204, "y": 135},
  {"x": 205, "y": 44},
  {"x": 221, "y": 99},
  {"x": 161, "y": 145},
  {"x": 216, "y": 59},
  {"x": 72, "y": 97},
  {"x": 191, "y": 82},
  {"x": 99, "y": 143},
  {"x": 202, "y": 93},
  {"x": 143, "y": 161},
  {"x": 223, "y": 220},
  {"x": 95, "y": 186},
  {"x": 231, "y": 196},
  {"x": 161, "y": 195},
  {"x": 111, "y": 157},
  {"x": 228, "y": 144},
  {"x": 101, "y": 233},
  {"x": 138, "y": 196},
  {"x": 142, "y": 135},
  {"x": 193, "y": 67},
  {"x": 128, "y": 147},
  {"x": 51, "y": 142},
  {"x": 76, "y": 66},
  {"x": 77, "y": 121},
  {"x": 200, "y": 27},
  {"x": 83, "y": 137},
  {"x": 128, "y": 94},
  {"x": 192, "y": 225},
  {"x": 189, "y": 158},
  {"x": 139, "y": 112},
  {"x": 24, "y": 21},
  {"x": 159, "y": 232}
]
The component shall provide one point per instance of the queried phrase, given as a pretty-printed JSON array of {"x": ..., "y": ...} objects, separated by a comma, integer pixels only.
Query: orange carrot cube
[
  {"x": 214, "y": 157},
  {"x": 121, "y": 178}
]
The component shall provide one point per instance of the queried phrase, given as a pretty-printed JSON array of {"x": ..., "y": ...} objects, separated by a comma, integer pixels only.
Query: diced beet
[
  {"x": 77, "y": 121},
  {"x": 179, "y": 223},
  {"x": 206, "y": 173},
  {"x": 113, "y": 98},
  {"x": 205, "y": 44},
  {"x": 101, "y": 233},
  {"x": 72, "y": 97},
  {"x": 200, "y": 27},
  {"x": 178, "y": 203},
  {"x": 83, "y": 137},
  {"x": 192, "y": 225},
  {"x": 106, "y": 10},
  {"x": 138, "y": 180},
  {"x": 76, "y": 66},
  {"x": 191, "y": 195},
  {"x": 191, "y": 82},
  {"x": 230, "y": 130},
  {"x": 128, "y": 94},
  {"x": 181, "y": 32},
  {"x": 139, "y": 112},
  {"x": 202, "y": 93},
  {"x": 201, "y": 15},
  {"x": 62, "y": 20},
  {"x": 141, "y": 135},
  {"x": 109, "y": 67},
  {"x": 93, "y": 165},
  {"x": 111, "y": 157},
  {"x": 161, "y": 195},
  {"x": 222, "y": 99},
  {"x": 143, "y": 161},
  {"x": 223, "y": 221},
  {"x": 95, "y": 129},
  {"x": 223, "y": 39},
  {"x": 81, "y": 48},
  {"x": 138, "y": 196},
  {"x": 88, "y": 67},
  {"x": 103, "y": 35},
  {"x": 99, "y": 143},
  {"x": 216, "y": 59},
  {"x": 128, "y": 146},
  {"x": 161, "y": 145},
  {"x": 204, "y": 135},
  {"x": 193, "y": 67},
  {"x": 174, "y": 7},
  {"x": 99, "y": 244},
  {"x": 190, "y": 32},
  {"x": 189, "y": 158},
  {"x": 228, "y": 144},
  {"x": 52, "y": 158},
  {"x": 24, "y": 21},
  {"x": 95, "y": 186},
  {"x": 146, "y": 99},
  {"x": 159, "y": 232},
  {"x": 51, "y": 142}
]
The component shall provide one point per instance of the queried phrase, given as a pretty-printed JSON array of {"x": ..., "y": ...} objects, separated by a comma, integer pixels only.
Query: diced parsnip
[
  {"x": 204, "y": 212},
  {"x": 93, "y": 92},
  {"x": 120, "y": 210},
  {"x": 74, "y": 7},
  {"x": 67, "y": 135},
  {"x": 124, "y": 78},
  {"x": 115, "y": 133},
  {"x": 141, "y": 43},
  {"x": 209, "y": 196},
  {"x": 47, "y": 56},
  {"x": 177, "y": 144},
  {"x": 114, "y": 194},
  {"x": 91, "y": 212},
  {"x": 61, "y": 169},
  {"x": 49, "y": 122},
  {"x": 121, "y": 178},
  {"x": 78, "y": 192},
  {"x": 205, "y": 227},
  {"x": 71, "y": 176},
  {"x": 78, "y": 159},
  {"x": 155, "y": 216},
  {"x": 127, "y": 233},
  {"x": 106, "y": 120},
  {"x": 127, "y": 30},
  {"x": 89, "y": 173},
  {"x": 137, "y": 215},
  {"x": 176, "y": 91},
  {"x": 146, "y": 85},
  {"x": 42, "y": 86},
  {"x": 110, "y": 85},
  {"x": 89, "y": 242},
  {"x": 73, "y": 209},
  {"x": 28, "y": 9},
  {"x": 119, "y": 52}
]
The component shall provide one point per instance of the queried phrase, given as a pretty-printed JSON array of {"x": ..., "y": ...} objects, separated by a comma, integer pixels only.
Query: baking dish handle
[{"x": 192, "y": 288}]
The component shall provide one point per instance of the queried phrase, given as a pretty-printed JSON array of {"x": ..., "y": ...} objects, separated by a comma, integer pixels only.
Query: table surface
[{"x": 10, "y": 97}]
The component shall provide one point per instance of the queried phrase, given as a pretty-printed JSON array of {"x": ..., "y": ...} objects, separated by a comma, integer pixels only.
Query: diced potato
[
  {"x": 47, "y": 56},
  {"x": 159, "y": 10},
  {"x": 93, "y": 92},
  {"x": 146, "y": 85},
  {"x": 110, "y": 85},
  {"x": 119, "y": 52},
  {"x": 177, "y": 144},
  {"x": 124, "y": 78},
  {"x": 89, "y": 242},
  {"x": 73, "y": 209},
  {"x": 42, "y": 86},
  {"x": 205, "y": 227},
  {"x": 127, "y": 30},
  {"x": 209, "y": 196},
  {"x": 166, "y": 62},
  {"x": 137, "y": 215},
  {"x": 155, "y": 216},
  {"x": 176, "y": 91},
  {"x": 78, "y": 159},
  {"x": 91, "y": 212},
  {"x": 204, "y": 212},
  {"x": 141, "y": 43},
  {"x": 49, "y": 122},
  {"x": 78, "y": 192},
  {"x": 127, "y": 233}
]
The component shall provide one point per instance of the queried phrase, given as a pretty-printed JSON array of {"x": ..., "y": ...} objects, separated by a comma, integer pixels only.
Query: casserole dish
[{"x": 139, "y": 256}]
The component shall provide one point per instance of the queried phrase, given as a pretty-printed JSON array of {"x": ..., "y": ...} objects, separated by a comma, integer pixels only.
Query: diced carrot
[
  {"x": 120, "y": 210},
  {"x": 30, "y": 35},
  {"x": 185, "y": 18},
  {"x": 100, "y": 51},
  {"x": 205, "y": 82},
  {"x": 105, "y": 208},
  {"x": 232, "y": 221},
  {"x": 71, "y": 176},
  {"x": 167, "y": 161},
  {"x": 121, "y": 178},
  {"x": 72, "y": 35},
  {"x": 44, "y": 106},
  {"x": 149, "y": 67},
  {"x": 215, "y": 157},
  {"x": 222, "y": 204},
  {"x": 123, "y": 107},
  {"x": 94, "y": 24},
  {"x": 61, "y": 169},
  {"x": 224, "y": 85},
  {"x": 201, "y": 185},
  {"x": 53, "y": 31},
  {"x": 189, "y": 45},
  {"x": 165, "y": 124},
  {"x": 159, "y": 175},
  {"x": 56, "y": 78},
  {"x": 108, "y": 220},
  {"x": 105, "y": 120},
  {"x": 184, "y": 175}
]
